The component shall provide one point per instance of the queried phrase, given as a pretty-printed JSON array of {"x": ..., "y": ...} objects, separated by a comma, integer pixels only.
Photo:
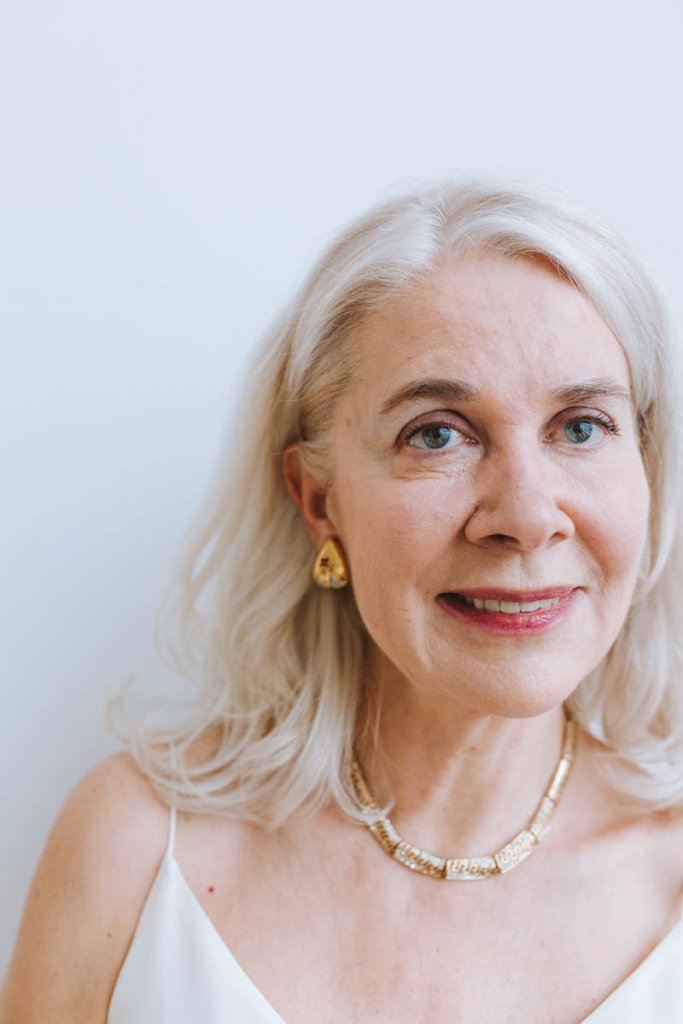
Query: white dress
[{"x": 178, "y": 970}]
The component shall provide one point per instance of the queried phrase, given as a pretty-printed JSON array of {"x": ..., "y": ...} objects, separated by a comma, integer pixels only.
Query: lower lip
[{"x": 504, "y": 624}]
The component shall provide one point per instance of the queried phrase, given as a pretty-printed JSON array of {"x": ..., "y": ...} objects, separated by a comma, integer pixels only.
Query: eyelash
[
  {"x": 601, "y": 419},
  {"x": 597, "y": 417}
]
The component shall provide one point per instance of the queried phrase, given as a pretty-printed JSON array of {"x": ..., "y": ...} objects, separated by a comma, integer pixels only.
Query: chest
[
  {"x": 329, "y": 928},
  {"x": 417, "y": 950}
]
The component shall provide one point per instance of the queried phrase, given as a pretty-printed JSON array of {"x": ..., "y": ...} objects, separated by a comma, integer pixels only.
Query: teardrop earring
[{"x": 330, "y": 569}]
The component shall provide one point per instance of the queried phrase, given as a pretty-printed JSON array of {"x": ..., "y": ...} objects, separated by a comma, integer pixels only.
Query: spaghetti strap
[
  {"x": 172, "y": 815},
  {"x": 171, "y": 832}
]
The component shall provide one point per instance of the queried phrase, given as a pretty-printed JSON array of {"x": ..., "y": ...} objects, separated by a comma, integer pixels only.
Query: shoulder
[
  {"x": 93, "y": 877},
  {"x": 111, "y": 812}
]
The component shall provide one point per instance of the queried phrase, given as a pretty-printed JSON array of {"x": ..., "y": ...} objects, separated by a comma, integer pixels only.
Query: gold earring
[{"x": 330, "y": 570}]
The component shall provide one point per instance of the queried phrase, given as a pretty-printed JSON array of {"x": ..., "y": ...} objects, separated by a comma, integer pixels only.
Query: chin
[{"x": 519, "y": 694}]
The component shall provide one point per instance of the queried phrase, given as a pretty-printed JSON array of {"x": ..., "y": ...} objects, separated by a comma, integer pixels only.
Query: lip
[{"x": 510, "y": 624}]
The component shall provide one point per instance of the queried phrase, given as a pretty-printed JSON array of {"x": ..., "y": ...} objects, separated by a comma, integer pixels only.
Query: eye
[
  {"x": 587, "y": 431},
  {"x": 434, "y": 436}
]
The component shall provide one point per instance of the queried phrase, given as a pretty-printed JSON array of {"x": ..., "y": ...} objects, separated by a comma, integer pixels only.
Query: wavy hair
[{"x": 278, "y": 664}]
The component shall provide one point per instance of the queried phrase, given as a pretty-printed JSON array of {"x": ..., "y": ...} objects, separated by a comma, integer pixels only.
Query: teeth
[{"x": 511, "y": 607}]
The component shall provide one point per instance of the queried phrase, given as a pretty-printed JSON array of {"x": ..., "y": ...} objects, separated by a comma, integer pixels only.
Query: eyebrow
[
  {"x": 432, "y": 387},
  {"x": 597, "y": 387},
  {"x": 450, "y": 390}
]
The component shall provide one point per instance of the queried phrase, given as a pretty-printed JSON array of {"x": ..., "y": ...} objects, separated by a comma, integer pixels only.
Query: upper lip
[{"x": 498, "y": 594}]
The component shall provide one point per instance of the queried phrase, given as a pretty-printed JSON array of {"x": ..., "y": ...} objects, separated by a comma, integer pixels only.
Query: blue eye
[
  {"x": 582, "y": 431},
  {"x": 434, "y": 435}
]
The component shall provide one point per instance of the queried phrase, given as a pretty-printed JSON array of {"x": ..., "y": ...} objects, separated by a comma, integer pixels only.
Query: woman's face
[{"x": 487, "y": 452}]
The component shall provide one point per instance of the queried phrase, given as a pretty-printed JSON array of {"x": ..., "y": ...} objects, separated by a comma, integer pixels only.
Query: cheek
[
  {"x": 615, "y": 526},
  {"x": 396, "y": 535}
]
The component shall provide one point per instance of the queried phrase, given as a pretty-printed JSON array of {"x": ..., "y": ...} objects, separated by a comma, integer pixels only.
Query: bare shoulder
[{"x": 85, "y": 899}]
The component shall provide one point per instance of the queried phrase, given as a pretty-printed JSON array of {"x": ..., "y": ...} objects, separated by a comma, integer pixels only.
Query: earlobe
[{"x": 307, "y": 494}]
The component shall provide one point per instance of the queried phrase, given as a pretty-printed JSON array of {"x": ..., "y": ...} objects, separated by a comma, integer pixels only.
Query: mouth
[{"x": 521, "y": 612}]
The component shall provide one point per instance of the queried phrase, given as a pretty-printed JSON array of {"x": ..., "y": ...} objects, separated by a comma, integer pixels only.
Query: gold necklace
[{"x": 469, "y": 868}]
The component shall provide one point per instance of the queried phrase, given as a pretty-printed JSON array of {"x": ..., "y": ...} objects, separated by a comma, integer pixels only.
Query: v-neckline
[
  {"x": 594, "y": 1017},
  {"x": 275, "y": 1018}
]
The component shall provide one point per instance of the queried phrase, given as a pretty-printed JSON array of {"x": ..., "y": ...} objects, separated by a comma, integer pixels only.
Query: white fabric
[{"x": 178, "y": 970}]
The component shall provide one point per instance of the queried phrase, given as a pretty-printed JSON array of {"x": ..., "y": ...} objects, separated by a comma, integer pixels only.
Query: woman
[{"x": 466, "y": 424}]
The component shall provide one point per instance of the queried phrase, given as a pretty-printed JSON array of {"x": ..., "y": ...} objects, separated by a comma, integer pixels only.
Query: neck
[{"x": 462, "y": 782}]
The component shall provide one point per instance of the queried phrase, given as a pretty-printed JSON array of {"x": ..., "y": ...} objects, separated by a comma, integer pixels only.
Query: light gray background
[{"x": 169, "y": 171}]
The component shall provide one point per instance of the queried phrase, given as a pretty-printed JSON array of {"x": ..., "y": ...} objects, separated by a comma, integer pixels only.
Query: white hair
[{"x": 279, "y": 664}]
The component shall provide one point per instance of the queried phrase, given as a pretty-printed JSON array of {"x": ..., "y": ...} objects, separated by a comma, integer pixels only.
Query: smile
[
  {"x": 510, "y": 607},
  {"x": 510, "y": 614}
]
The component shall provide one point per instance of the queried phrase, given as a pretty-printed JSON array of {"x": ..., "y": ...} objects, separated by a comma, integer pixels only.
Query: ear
[{"x": 308, "y": 495}]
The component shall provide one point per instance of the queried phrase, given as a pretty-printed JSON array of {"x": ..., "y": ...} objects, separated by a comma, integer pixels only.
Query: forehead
[{"x": 495, "y": 321}]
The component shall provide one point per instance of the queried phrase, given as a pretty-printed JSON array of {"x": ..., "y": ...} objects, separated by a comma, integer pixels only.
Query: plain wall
[{"x": 168, "y": 173}]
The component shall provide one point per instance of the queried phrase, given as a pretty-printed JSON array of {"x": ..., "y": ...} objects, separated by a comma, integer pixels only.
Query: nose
[{"x": 519, "y": 500}]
